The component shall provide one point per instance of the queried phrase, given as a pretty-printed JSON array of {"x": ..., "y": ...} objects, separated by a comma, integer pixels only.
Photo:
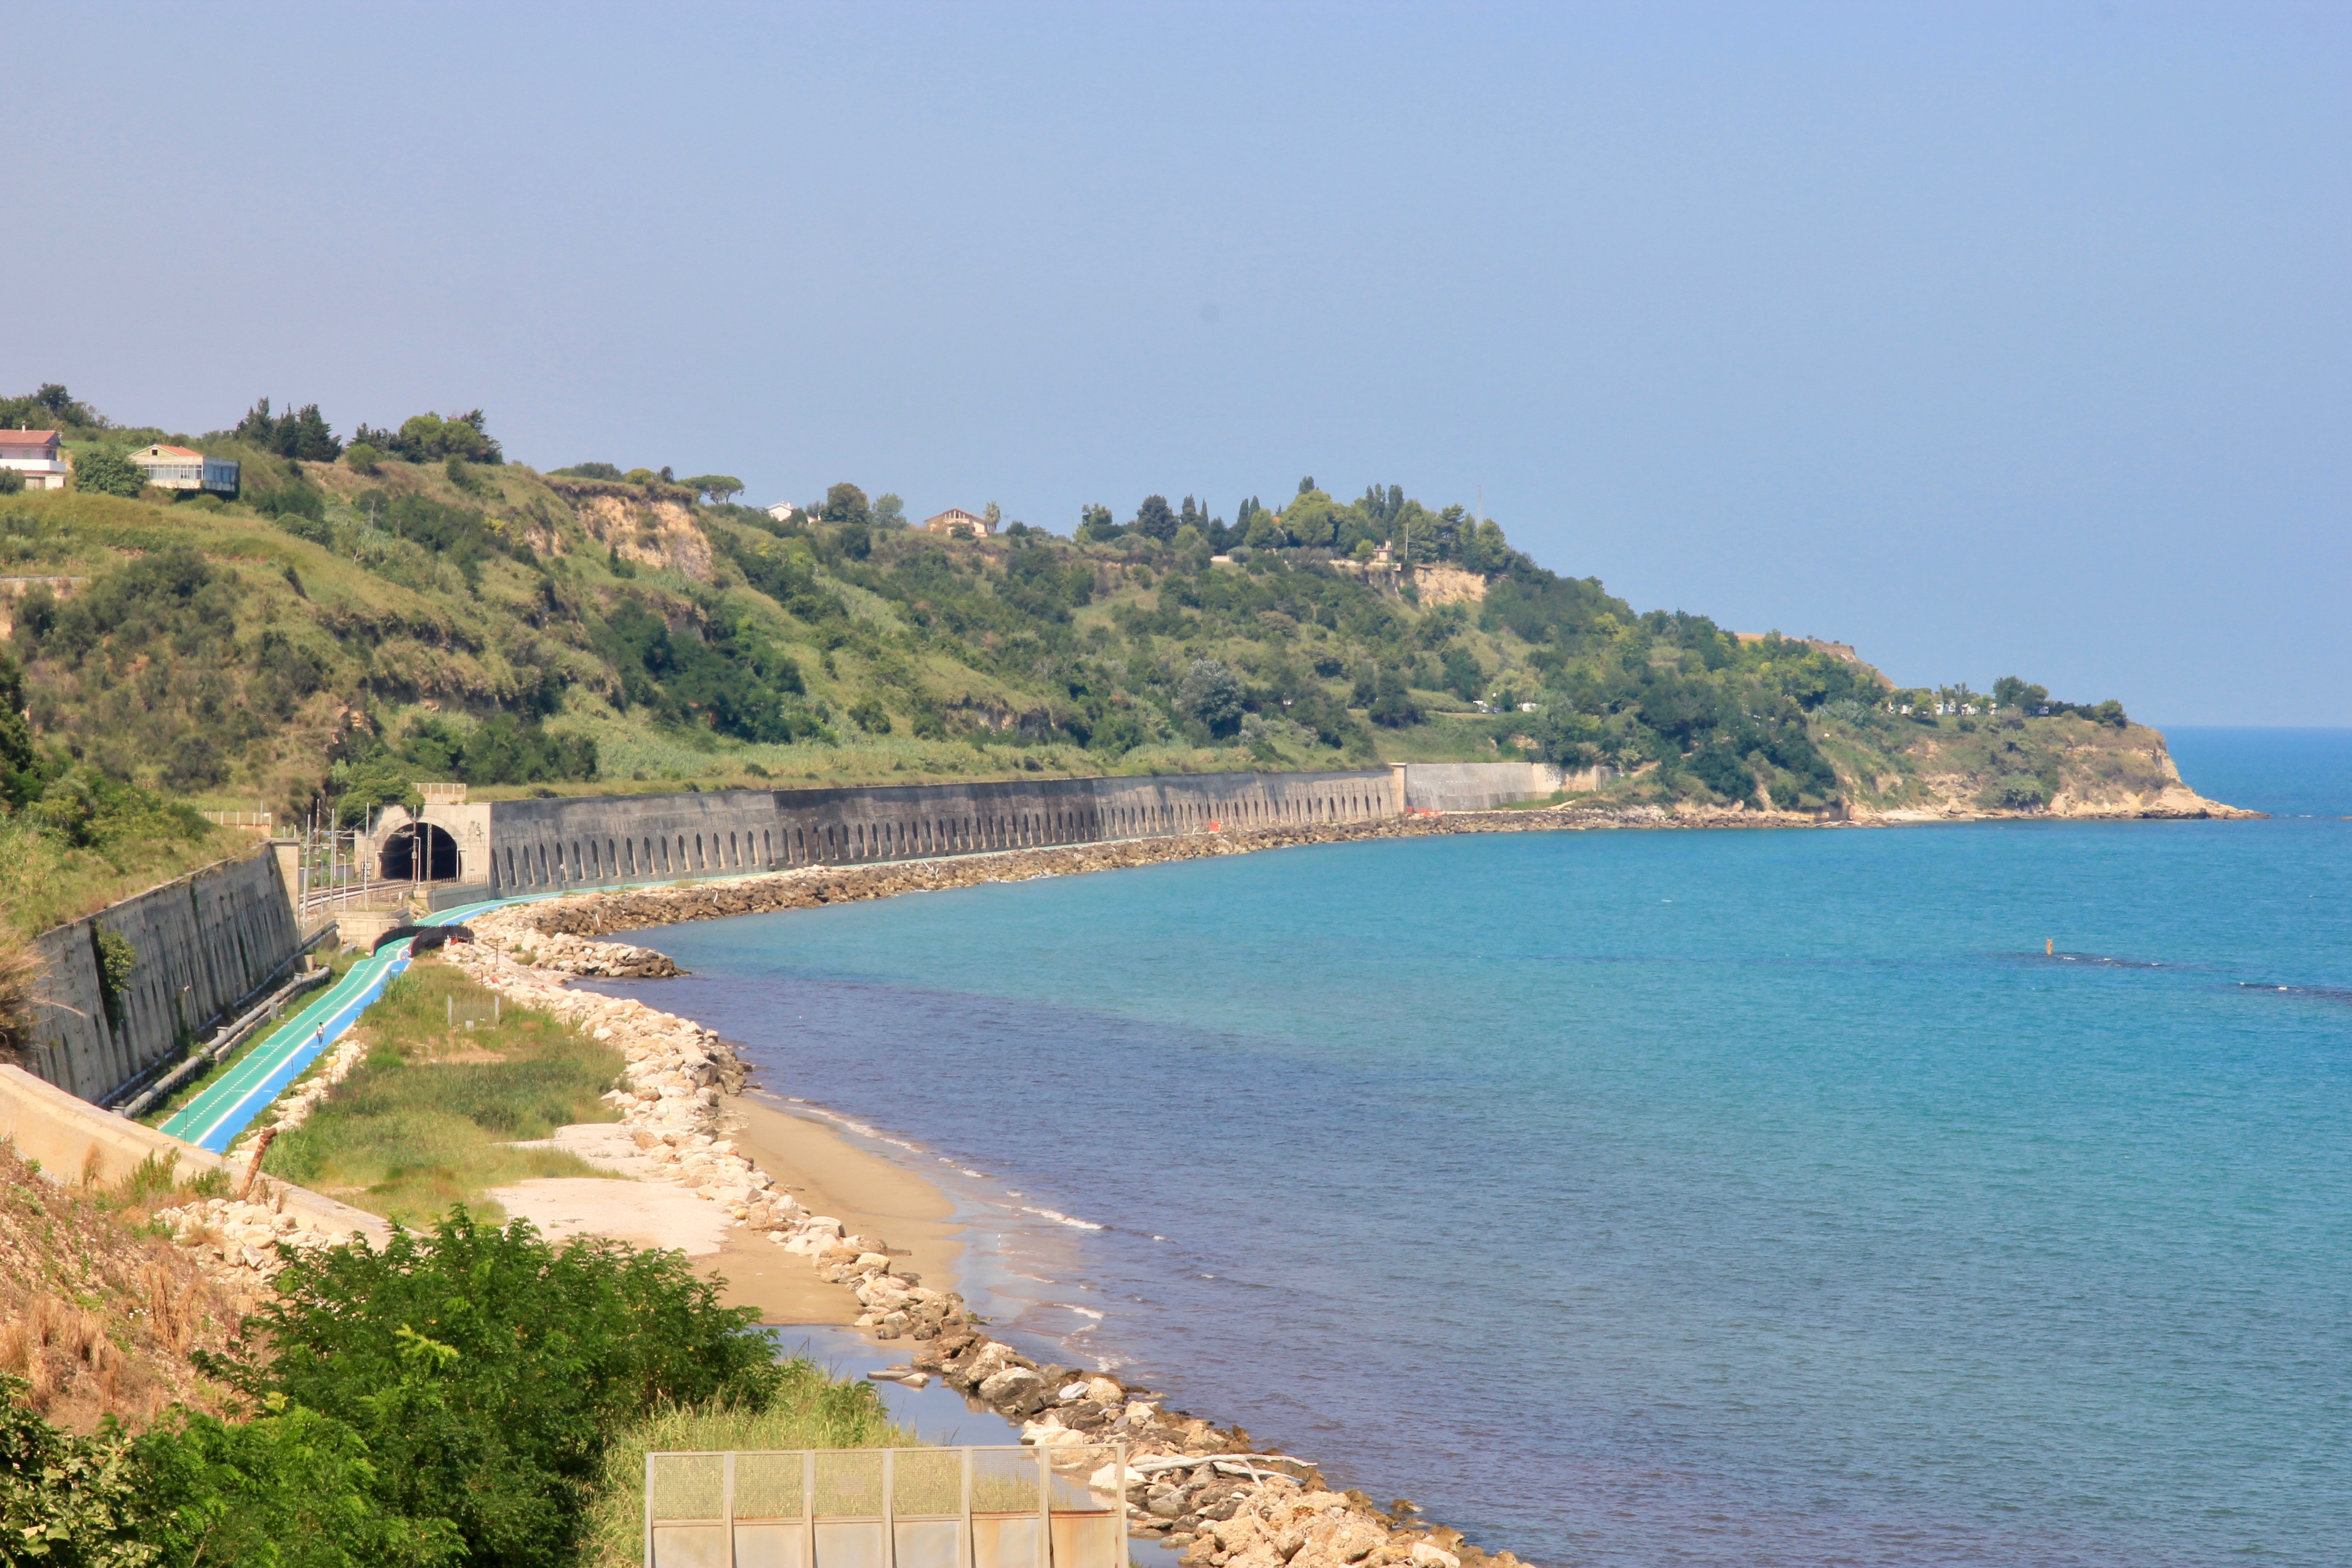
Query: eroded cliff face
[
  {"x": 642, "y": 530},
  {"x": 2068, "y": 767}
]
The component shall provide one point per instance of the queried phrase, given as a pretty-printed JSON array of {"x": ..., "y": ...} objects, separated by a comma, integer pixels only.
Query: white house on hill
[
  {"x": 955, "y": 519},
  {"x": 178, "y": 469},
  {"x": 37, "y": 454}
]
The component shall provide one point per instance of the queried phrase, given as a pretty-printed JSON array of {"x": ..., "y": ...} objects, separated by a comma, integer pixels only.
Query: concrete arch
[{"x": 419, "y": 852}]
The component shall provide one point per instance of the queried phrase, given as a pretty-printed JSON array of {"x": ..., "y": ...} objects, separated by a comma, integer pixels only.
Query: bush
[
  {"x": 107, "y": 472},
  {"x": 65, "y": 1501},
  {"x": 1212, "y": 693},
  {"x": 12, "y": 482},
  {"x": 293, "y": 1489},
  {"x": 870, "y": 716},
  {"x": 430, "y": 438},
  {"x": 363, "y": 456},
  {"x": 485, "y": 1370}
]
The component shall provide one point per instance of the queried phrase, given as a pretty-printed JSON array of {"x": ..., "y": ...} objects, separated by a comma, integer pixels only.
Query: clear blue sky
[{"x": 1991, "y": 340}]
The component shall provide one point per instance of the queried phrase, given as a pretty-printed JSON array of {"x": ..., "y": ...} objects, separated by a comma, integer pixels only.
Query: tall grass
[
  {"x": 18, "y": 970},
  {"x": 46, "y": 882},
  {"x": 811, "y": 1411},
  {"x": 430, "y": 1119}
]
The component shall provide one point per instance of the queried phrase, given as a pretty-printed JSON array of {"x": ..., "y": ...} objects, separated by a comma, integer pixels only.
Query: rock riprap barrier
[{"x": 1207, "y": 1489}]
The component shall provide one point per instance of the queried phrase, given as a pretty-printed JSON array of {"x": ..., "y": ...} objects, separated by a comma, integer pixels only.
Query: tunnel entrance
[{"x": 420, "y": 852}]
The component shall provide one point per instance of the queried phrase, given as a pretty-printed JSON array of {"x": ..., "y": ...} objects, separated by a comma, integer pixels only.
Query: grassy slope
[
  {"x": 396, "y": 633},
  {"x": 98, "y": 1311}
]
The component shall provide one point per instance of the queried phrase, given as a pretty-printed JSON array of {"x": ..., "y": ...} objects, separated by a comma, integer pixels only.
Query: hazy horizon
[{"x": 1990, "y": 339}]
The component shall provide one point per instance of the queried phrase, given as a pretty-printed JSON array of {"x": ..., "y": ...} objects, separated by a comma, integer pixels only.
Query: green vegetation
[
  {"x": 107, "y": 472},
  {"x": 421, "y": 609},
  {"x": 300, "y": 434},
  {"x": 432, "y": 1117},
  {"x": 72, "y": 836},
  {"x": 810, "y": 1411},
  {"x": 473, "y": 1397}
]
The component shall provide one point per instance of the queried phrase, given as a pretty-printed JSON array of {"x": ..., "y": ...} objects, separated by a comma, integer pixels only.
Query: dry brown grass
[
  {"x": 18, "y": 970},
  {"x": 99, "y": 1313}
]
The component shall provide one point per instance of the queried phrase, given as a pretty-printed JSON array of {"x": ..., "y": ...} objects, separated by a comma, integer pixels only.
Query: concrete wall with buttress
[
  {"x": 527, "y": 845},
  {"x": 203, "y": 946}
]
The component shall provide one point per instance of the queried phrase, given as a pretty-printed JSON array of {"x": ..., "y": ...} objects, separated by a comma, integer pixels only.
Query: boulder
[{"x": 1010, "y": 1386}]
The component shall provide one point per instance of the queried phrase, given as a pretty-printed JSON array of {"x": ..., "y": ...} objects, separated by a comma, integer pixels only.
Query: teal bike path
[{"x": 228, "y": 1106}]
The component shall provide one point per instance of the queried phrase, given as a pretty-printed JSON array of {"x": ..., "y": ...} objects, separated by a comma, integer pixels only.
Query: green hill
[{"x": 419, "y": 608}]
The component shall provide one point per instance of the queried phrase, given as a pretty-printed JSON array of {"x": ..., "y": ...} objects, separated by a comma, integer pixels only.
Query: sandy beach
[
  {"x": 824, "y": 1169},
  {"x": 818, "y": 1164}
]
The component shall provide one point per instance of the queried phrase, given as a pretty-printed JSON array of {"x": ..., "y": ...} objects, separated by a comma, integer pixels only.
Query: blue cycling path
[{"x": 228, "y": 1106}]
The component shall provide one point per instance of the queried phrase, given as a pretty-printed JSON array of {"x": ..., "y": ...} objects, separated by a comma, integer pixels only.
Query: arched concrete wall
[
  {"x": 546, "y": 844},
  {"x": 206, "y": 943}
]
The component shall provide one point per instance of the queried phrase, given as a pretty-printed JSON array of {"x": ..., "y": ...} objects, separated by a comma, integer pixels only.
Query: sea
[{"x": 1972, "y": 1195}]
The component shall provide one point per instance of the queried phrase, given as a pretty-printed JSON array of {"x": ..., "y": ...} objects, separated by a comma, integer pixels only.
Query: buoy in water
[{"x": 2049, "y": 948}]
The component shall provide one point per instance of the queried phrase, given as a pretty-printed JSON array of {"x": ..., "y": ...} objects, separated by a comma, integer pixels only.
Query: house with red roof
[
  {"x": 179, "y": 469},
  {"x": 37, "y": 454}
]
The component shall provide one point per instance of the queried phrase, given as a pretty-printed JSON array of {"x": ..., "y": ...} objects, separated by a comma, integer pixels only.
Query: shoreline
[
  {"x": 800, "y": 1179},
  {"x": 597, "y": 912},
  {"x": 1207, "y": 1491}
]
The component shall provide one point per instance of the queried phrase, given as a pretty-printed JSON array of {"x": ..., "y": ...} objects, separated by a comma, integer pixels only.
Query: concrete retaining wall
[
  {"x": 75, "y": 1142},
  {"x": 525, "y": 845},
  {"x": 1482, "y": 786},
  {"x": 205, "y": 944}
]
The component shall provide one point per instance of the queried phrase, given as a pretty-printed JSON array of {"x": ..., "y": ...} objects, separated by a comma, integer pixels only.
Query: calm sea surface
[{"x": 1662, "y": 1198}]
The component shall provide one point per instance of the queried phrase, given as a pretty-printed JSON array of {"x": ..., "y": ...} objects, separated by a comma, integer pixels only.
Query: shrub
[
  {"x": 107, "y": 472},
  {"x": 1212, "y": 693},
  {"x": 364, "y": 457},
  {"x": 65, "y": 1501},
  {"x": 293, "y": 1489},
  {"x": 870, "y": 716},
  {"x": 486, "y": 1370},
  {"x": 12, "y": 482}
]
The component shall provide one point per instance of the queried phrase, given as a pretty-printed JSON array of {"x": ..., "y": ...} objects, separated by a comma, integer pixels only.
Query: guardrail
[{"x": 1005, "y": 1507}]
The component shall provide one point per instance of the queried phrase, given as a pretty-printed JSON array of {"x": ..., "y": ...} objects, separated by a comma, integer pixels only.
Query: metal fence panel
[{"x": 888, "y": 1507}]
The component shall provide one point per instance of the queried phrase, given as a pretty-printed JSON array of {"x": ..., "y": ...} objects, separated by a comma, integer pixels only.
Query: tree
[
  {"x": 889, "y": 512},
  {"x": 2009, "y": 691},
  {"x": 17, "y": 783},
  {"x": 50, "y": 407},
  {"x": 12, "y": 482},
  {"x": 107, "y": 472},
  {"x": 845, "y": 503},
  {"x": 300, "y": 434},
  {"x": 1392, "y": 706},
  {"x": 1153, "y": 519},
  {"x": 1462, "y": 676},
  {"x": 485, "y": 1370},
  {"x": 431, "y": 438},
  {"x": 715, "y": 487},
  {"x": 293, "y": 1489},
  {"x": 1095, "y": 523},
  {"x": 991, "y": 515},
  {"x": 1213, "y": 694},
  {"x": 362, "y": 457},
  {"x": 1312, "y": 520}
]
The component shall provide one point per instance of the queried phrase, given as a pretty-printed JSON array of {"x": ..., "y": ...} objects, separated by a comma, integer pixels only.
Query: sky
[{"x": 1992, "y": 340}]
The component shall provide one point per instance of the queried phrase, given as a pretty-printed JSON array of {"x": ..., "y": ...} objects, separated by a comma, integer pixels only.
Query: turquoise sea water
[{"x": 1725, "y": 1198}]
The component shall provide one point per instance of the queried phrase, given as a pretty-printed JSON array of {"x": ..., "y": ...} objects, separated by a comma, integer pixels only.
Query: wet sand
[{"x": 821, "y": 1166}]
